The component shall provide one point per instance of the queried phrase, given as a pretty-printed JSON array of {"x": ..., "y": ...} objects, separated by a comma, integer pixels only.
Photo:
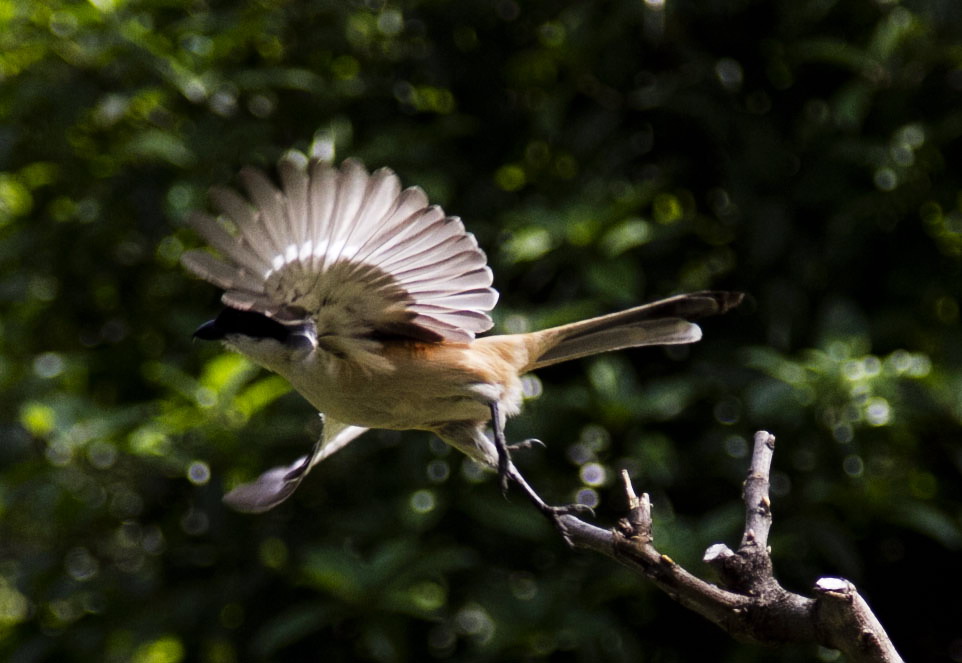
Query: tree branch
[{"x": 750, "y": 604}]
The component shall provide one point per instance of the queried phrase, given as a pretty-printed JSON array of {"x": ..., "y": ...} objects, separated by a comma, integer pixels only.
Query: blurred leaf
[{"x": 929, "y": 521}]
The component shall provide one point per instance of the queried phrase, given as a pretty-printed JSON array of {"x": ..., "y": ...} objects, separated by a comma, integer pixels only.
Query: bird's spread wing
[{"x": 347, "y": 249}]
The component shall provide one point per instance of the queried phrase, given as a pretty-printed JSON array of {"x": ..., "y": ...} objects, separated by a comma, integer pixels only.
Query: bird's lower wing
[{"x": 277, "y": 484}]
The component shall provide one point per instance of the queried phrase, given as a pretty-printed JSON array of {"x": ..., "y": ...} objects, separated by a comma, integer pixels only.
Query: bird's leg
[
  {"x": 507, "y": 471},
  {"x": 504, "y": 451}
]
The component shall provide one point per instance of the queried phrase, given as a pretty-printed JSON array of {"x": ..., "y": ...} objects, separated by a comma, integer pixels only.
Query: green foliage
[{"x": 604, "y": 153}]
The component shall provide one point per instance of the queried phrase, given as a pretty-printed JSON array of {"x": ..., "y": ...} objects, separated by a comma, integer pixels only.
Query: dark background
[{"x": 605, "y": 154}]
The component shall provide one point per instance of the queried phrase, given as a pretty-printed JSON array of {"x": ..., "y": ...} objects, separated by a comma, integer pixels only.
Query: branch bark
[{"x": 749, "y": 604}]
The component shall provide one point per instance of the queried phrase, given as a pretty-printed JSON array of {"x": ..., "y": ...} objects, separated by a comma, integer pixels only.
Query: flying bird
[{"x": 368, "y": 300}]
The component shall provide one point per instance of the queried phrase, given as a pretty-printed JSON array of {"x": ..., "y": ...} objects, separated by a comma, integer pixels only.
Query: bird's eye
[{"x": 302, "y": 340}]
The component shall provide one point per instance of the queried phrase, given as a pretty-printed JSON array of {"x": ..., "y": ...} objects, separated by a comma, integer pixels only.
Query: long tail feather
[{"x": 665, "y": 322}]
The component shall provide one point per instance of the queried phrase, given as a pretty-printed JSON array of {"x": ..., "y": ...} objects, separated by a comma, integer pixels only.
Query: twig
[{"x": 758, "y": 504}]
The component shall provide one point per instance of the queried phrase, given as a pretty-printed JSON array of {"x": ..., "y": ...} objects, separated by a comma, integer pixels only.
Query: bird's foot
[{"x": 508, "y": 472}]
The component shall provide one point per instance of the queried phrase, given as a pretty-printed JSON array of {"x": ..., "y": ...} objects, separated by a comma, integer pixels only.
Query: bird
[{"x": 369, "y": 300}]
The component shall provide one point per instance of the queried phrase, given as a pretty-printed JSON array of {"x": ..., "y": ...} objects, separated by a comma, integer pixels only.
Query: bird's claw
[
  {"x": 530, "y": 443},
  {"x": 504, "y": 460}
]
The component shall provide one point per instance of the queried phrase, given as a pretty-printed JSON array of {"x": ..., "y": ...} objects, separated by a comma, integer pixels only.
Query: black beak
[
  {"x": 232, "y": 322},
  {"x": 210, "y": 331}
]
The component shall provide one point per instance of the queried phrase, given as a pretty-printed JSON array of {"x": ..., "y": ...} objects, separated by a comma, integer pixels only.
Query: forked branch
[{"x": 749, "y": 603}]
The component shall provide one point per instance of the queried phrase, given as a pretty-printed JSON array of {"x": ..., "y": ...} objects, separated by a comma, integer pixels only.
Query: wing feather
[
  {"x": 471, "y": 299},
  {"x": 209, "y": 268},
  {"x": 349, "y": 249},
  {"x": 322, "y": 196},
  {"x": 270, "y": 206},
  {"x": 239, "y": 252},
  {"x": 350, "y": 195},
  {"x": 295, "y": 184},
  {"x": 233, "y": 206},
  {"x": 405, "y": 235},
  {"x": 466, "y": 281}
]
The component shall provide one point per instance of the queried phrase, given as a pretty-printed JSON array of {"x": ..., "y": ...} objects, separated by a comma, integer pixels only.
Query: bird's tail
[{"x": 665, "y": 322}]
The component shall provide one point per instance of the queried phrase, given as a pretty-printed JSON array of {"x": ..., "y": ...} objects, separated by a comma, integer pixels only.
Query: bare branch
[{"x": 750, "y": 604}]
